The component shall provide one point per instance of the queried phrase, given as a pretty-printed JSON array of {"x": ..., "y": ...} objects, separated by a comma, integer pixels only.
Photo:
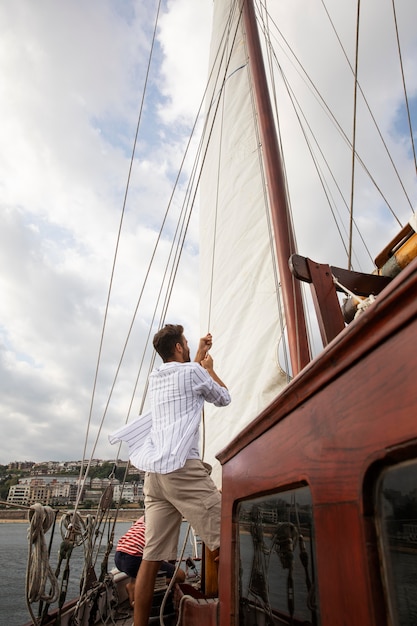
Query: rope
[
  {"x": 81, "y": 484},
  {"x": 39, "y": 572},
  {"x": 362, "y": 306},
  {"x": 362, "y": 303},
  {"x": 183, "y": 599},
  {"x": 404, "y": 85},
  {"x": 172, "y": 581},
  {"x": 73, "y": 528},
  {"x": 346, "y": 290},
  {"x": 76, "y": 531},
  {"x": 355, "y": 99}
]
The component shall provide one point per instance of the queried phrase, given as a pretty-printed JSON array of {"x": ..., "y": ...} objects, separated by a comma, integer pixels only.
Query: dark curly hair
[{"x": 166, "y": 339}]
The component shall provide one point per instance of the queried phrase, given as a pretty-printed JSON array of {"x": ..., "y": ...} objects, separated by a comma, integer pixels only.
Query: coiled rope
[{"x": 39, "y": 572}]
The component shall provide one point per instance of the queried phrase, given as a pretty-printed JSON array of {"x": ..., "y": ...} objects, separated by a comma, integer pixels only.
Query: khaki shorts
[{"x": 188, "y": 492}]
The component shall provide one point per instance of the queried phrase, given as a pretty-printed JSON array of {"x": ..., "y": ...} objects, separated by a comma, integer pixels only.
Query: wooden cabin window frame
[
  {"x": 394, "y": 500},
  {"x": 247, "y": 556}
]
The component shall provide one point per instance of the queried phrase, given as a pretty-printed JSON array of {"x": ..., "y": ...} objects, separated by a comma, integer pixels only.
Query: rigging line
[
  {"x": 325, "y": 185},
  {"x": 222, "y": 47},
  {"x": 264, "y": 22},
  {"x": 404, "y": 85},
  {"x": 145, "y": 283},
  {"x": 293, "y": 99},
  {"x": 128, "y": 337},
  {"x": 116, "y": 253},
  {"x": 225, "y": 39},
  {"x": 176, "y": 237},
  {"x": 181, "y": 232},
  {"x": 179, "y": 239},
  {"x": 180, "y": 235},
  {"x": 269, "y": 48},
  {"x": 204, "y": 153},
  {"x": 375, "y": 124},
  {"x": 154, "y": 253},
  {"x": 213, "y": 257},
  {"x": 355, "y": 103},
  {"x": 299, "y": 112},
  {"x": 163, "y": 313},
  {"x": 271, "y": 56},
  {"x": 326, "y": 190},
  {"x": 152, "y": 362},
  {"x": 326, "y": 107},
  {"x": 125, "y": 473},
  {"x": 178, "y": 256},
  {"x": 153, "y": 359},
  {"x": 147, "y": 342},
  {"x": 267, "y": 211}
]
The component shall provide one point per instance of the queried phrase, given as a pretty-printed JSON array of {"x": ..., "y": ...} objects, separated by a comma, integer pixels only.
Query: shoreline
[{"x": 21, "y": 515}]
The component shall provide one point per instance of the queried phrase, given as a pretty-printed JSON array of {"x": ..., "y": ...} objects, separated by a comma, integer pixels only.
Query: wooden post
[{"x": 209, "y": 572}]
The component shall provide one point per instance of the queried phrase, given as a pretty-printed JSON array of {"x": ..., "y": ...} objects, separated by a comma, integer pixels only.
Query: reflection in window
[
  {"x": 277, "y": 581},
  {"x": 397, "y": 518}
]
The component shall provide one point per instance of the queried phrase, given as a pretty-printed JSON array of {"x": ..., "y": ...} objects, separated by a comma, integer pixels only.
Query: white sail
[{"x": 239, "y": 299}]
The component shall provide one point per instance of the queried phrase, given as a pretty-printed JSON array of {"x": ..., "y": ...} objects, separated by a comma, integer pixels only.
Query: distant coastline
[{"x": 21, "y": 515}]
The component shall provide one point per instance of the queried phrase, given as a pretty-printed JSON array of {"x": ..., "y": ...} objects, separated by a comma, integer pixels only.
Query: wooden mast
[{"x": 284, "y": 238}]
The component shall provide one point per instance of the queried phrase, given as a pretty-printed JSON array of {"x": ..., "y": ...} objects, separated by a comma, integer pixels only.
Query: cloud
[
  {"x": 185, "y": 40},
  {"x": 72, "y": 78},
  {"x": 72, "y": 75}
]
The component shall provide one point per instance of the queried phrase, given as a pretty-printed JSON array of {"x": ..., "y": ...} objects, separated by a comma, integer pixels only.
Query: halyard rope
[{"x": 39, "y": 572}]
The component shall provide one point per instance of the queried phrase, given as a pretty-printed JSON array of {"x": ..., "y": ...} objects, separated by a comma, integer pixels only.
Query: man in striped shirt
[
  {"x": 129, "y": 552},
  {"x": 177, "y": 483}
]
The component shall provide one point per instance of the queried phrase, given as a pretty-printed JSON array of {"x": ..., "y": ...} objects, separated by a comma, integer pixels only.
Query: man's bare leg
[
  {"x": 180, "y": 577},
  {"x": 144, "y": 588},
  {"x": 130, "y": 588}
]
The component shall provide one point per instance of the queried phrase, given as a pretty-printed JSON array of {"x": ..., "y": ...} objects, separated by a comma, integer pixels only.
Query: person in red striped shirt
[{"x": 128, "y": 556}]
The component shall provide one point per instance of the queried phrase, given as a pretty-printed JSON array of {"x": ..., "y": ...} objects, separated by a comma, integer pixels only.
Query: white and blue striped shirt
[{"x": 161, "y": 441}]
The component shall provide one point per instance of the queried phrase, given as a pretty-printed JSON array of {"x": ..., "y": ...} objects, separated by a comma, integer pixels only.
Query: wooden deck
[{"x": 123, "y": 616}]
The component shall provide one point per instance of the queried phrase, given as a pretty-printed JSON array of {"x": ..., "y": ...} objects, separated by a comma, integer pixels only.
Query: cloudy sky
[{"x": 72, "y": 74}]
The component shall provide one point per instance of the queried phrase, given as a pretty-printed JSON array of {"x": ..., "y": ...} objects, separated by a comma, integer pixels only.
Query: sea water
[{"x": 13, "y": 561}]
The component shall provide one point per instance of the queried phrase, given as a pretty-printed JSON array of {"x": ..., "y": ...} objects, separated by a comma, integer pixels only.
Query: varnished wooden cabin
[{"x": 334, "y": 460}]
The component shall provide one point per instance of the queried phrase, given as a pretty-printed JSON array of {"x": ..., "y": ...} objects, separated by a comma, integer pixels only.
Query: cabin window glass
[
  {"x": 276, "y": 560},
  {"x": 396, "y": 504}
]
